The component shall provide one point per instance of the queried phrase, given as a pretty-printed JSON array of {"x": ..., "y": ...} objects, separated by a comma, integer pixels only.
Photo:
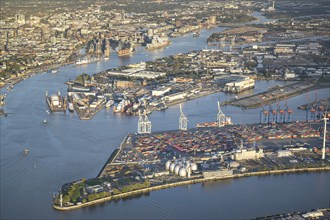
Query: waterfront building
[
  {"x": 160, "y": 91},
  {"x": 124, "y": 84},
  {"x": 175, "y": 96},
  {"x": 284, "y": 153},
  {"x": 248, "y": 154}
]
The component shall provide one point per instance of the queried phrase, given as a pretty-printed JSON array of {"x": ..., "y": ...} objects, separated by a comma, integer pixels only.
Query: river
[{"x": 67, "y": 149}]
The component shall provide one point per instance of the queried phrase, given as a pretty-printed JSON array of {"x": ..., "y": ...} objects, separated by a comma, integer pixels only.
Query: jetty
[{"x": 274, "y": 94}]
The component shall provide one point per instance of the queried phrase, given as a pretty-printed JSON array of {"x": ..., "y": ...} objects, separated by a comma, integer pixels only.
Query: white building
[
  {"x": 284, "y": 153},
  {"x": 246, "y": 154},
  {"x": 160, "y": 91},
  {"x": 175, "y": 96}
]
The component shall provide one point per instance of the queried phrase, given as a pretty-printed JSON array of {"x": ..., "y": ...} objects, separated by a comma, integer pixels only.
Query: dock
[{"x": 274, "y": 94}]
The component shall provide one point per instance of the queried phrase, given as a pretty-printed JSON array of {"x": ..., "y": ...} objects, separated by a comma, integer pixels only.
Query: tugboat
[
  {"x": 71, "y": 108},
  {"x": 26, "y": 151}
]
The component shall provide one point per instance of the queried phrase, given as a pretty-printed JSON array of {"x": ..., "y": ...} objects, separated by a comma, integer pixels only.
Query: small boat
[
  {"x": 45, "y": 121},
  {"x": 26, "y": 151},
  {"x": 109, "y": 103},
  {"x": 196, "y": 34},
  {"x": 71, "y": 108}
]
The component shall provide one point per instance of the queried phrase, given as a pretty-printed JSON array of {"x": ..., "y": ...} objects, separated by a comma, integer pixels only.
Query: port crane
[
  {"x": 144, "y": 124},
  {"x": 264, "y": 119},
  {"x": 221, "y": 118},
  {"x": 288, "y": 113},
  {"x": 324, "y": 134},
  {"x": 183, "y": 121}
]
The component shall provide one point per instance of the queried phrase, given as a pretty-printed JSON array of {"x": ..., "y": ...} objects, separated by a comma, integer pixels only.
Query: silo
[
  {"x": 193, "y": 167},
  {"x": 172, "y": 167},
  {"x": 183, "y": 172},
  {"x": 177, "y": 168},
  {"x": 167, "y": 165}
]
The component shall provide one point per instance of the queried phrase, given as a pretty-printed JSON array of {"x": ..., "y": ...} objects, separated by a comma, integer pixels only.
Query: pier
[{"x": 274, "y": 94}]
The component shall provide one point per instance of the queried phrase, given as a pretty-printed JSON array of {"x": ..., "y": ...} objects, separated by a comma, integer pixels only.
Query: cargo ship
[
  {"x": 70, "y": 107},
  {"x": 122, "y": 106},
  {"x": 213, "y": 124},
  {"x": 56, "y": 103},
  {"x": 239, "y": 85},
  {"x": 109, "y": 103}
]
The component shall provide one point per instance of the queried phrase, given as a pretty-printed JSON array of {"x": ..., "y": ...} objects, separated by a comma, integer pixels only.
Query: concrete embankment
[
  {"x": 199, "y": 95},
  {"x": 275, "y": 94},
  {"x": 186, "y": 182}
]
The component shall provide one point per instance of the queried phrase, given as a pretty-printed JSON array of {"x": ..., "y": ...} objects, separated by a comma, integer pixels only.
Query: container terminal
[{"x": 147, "y": 161}]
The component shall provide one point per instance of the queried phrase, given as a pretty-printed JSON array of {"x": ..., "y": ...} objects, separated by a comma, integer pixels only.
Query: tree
[
  {"x": 91, "y": 197},
  {"x": 116, "y": 191},
  {"x": 66, "y": 199}
]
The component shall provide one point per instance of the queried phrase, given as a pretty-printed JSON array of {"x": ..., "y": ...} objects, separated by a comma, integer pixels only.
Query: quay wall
[{"x": 186, "y": 182}]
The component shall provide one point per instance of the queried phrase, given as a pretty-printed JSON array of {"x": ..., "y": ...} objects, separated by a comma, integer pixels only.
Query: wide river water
[{"x": 67, "y": 149}]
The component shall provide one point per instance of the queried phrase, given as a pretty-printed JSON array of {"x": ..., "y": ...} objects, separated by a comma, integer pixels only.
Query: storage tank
[
  {"x": 183, "y": 172},
  {"x": 177, "y": 168},
  {"x": 172, "y": 167},
  {"x": 193, "y": 167},
  {"x": 167, "y": 165}
]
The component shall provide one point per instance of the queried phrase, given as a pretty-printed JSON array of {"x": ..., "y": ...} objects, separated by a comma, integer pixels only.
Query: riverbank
[
  {"x": 31, "y": 72},
  {"x": 187, "y": 182}
]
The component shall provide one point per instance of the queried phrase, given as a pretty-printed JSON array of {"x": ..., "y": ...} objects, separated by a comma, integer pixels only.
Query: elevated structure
[
  {"x": 144, "y": 124},
  {"x": 141, "y": 126},
  {"x": 324, "y": 135},
  {"x": 221, "y": 118},
  {"x": 288, "y": 113},
  {"x": 264, "y": 113},
  {"x": 183, "y": 121}
]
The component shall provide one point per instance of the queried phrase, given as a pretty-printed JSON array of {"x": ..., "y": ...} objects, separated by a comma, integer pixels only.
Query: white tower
[
  {"x": 221, "y": 118},
  {"x": 324, "y": 135},
  {"x": 183, "y": 121}
]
